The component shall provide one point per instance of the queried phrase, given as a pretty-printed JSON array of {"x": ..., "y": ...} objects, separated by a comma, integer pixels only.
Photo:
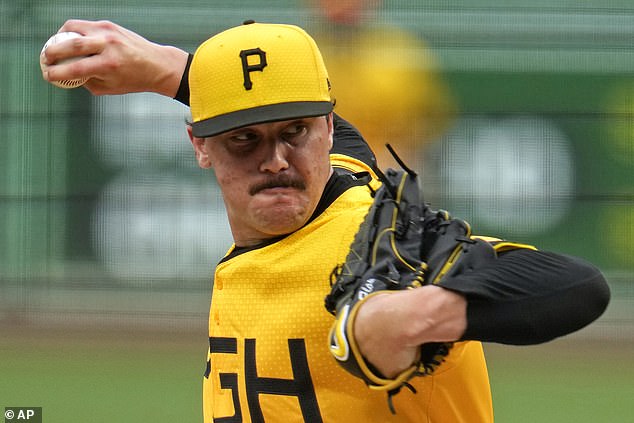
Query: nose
[{"x": 276, "y": 157}]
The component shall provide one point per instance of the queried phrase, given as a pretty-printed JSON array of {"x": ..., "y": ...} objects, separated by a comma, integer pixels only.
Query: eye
[
  {"x": 294, "y": 132},
  {"x": 243, "y": 137},
  {"x": 242, "y": 142}
]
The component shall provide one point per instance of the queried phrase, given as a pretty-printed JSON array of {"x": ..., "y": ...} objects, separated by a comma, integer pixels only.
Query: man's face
[{"x": 271, "y": 175}]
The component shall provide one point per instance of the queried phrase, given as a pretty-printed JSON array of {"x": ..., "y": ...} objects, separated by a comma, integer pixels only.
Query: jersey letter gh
[{"x": 300, "y": 386}]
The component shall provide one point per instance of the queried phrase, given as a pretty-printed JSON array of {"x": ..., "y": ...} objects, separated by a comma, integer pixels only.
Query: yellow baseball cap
[{"x": 256, "y": 73}]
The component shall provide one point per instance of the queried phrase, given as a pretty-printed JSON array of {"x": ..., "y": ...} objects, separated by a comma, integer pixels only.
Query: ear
[
  {"x": 331, "y": 130},
  {"x": 200, "y": 149}
]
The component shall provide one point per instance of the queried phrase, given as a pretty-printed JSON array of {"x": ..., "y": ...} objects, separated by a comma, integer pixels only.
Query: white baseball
[{"x": 58, "y": 38}]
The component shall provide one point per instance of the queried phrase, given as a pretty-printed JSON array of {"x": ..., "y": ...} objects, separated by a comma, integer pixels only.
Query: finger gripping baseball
[{"x": 58, "y": 38}]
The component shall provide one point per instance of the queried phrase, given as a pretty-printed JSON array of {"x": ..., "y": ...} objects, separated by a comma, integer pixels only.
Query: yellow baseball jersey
[{"x": 269, "y": 359}]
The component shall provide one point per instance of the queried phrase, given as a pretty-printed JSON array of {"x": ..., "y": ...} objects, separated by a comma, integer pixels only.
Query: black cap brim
[{"x": 262, "y": 114}]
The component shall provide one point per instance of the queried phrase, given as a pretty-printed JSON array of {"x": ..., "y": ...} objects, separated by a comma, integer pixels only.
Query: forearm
[
  {"x": 170, "y": 79},
  {"x": 529, "y": 297}
]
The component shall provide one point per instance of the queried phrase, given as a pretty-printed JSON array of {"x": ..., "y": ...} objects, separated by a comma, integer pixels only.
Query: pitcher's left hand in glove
[{"x": 402, "y": 244}]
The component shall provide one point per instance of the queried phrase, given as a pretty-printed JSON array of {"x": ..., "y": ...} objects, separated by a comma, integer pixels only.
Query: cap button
[{"x": 248, "y": 22}]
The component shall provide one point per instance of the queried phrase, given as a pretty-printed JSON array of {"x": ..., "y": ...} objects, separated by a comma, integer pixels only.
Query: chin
[{"x": 281, "y": 221}]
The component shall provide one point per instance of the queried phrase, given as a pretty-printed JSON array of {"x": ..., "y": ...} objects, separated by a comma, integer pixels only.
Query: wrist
[
  {"x": 438, "y": 315},
  {"x": 172, "y": 69}
]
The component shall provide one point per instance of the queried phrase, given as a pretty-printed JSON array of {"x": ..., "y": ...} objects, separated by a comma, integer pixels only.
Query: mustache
[{"x": 278, "y": 182}]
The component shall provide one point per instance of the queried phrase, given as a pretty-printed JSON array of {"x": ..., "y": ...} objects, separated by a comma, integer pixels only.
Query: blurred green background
[{"x": 519, "y": 115}]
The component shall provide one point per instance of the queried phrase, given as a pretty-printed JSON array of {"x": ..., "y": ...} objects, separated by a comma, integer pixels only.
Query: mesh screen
[{"x": 520, "y": 118}]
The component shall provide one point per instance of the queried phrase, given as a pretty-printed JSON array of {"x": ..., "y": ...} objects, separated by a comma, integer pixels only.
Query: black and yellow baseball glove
[{"x": 401, "y": 244}]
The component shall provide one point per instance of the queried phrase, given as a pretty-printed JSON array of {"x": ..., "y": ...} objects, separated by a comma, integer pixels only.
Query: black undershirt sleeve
[
  {"x": 182, "y": 95},
  {"x": 530, "y": 297}
]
